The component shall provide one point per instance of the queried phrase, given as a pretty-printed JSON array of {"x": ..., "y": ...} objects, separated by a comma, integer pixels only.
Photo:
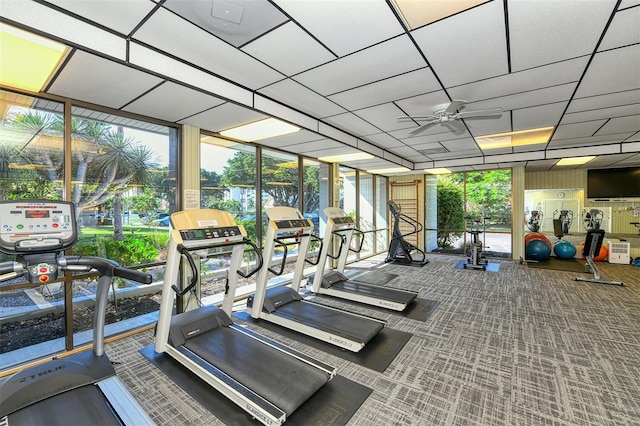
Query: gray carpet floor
[{"x": 523, "y": 346}]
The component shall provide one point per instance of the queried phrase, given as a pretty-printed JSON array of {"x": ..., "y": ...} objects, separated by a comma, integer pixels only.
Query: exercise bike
[
  {"x": 565, "y": 218},
  {"x": 475, "y": 260},
  {"x": 592, "y": 218},
  {"x": 400, "y": 250},
  {"x": 534, "y": 221}
]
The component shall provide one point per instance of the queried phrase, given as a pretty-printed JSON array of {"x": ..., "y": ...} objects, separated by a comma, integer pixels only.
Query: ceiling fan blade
[
  {"x": 405, "y": 118},
  {"x": 423, "y": 127},
  {"x": 455, "y": 126},
  {"x": 479, "y": 113},
  {"x": 453, "y": 106}
]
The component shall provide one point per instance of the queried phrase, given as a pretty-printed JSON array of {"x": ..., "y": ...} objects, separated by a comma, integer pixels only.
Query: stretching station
[
  {"x": 83, "y": 385},
  {"x": 336, "y": 284},
  {"x": 286, "y": 307},
  {"x": 263, "y": 377}
]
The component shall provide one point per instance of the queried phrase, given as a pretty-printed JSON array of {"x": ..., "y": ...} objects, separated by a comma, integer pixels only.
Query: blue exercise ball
[
  {"x": 537, "y": 250},
  {"x": 564, "y": 250}
]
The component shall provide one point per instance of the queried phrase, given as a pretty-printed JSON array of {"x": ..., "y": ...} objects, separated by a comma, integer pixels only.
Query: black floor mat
[
  {"x": 334, "y": 404},
  {"x": 376, "y": 355},
  {"x": 419, "y": 309},
  {"x": 571, "y": 265}
]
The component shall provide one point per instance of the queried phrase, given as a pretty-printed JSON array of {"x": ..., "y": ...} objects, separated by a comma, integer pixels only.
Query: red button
[
  {"x": 55, "y": 225},
  {"x": 43, "y": 278},
  {"x": 43, "y": 270}
]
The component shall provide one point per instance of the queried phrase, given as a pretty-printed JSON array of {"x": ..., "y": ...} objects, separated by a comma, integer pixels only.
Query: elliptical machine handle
[
  {"x": 10, "y": 270},
  {"x": 260, "y": 259}
]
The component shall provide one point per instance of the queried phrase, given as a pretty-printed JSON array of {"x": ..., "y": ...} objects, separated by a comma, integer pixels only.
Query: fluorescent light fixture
[
  {"x": 346, "y": 157},
  {"x": 27, "y": 61},
  {"x": 212, "y": 140},
  {"x": 575, "y": 161},
  {"x": 390, "y": 170},
  {"x": 518, "y": 138},
  {"x": 440, "y": 171},
  {"x": 417, "y": 13},
  {"x": 263, "y": 129},
  {"x": 279, "y": 183}
]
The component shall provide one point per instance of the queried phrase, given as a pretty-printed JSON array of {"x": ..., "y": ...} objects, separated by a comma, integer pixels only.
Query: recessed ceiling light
[
  {"x": 27, "y": 61},
  {"x": 263, "y": 129},
  {"x": 346, "y": 157},
  {"x": 439, "y": 171},
  {"x": 390, "y": 170},
  {"x": 575, "y": 161},
  {"x": 417, "y": 13},
  {"x": 517, "y": 138}
]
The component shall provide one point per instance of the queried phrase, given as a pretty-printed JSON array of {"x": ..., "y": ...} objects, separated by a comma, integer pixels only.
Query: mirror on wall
[{"x": 544, "y": 205}]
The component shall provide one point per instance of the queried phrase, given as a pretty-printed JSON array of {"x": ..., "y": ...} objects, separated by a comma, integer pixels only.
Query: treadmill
[
  {"x": 336, "y": 284},
  {"x": 284, "y": 306},
  {"x": 263, "y": 377},
  {"x": 80, "y": 388}
]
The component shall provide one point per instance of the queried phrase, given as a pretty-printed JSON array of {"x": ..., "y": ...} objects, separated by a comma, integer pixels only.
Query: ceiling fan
[{"x": 448, "y": 114}]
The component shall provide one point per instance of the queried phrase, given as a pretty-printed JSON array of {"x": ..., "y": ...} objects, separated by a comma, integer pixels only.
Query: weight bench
[{"x": 592, "y": 245}]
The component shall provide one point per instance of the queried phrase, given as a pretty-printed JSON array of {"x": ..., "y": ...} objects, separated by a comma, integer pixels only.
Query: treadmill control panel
[
  {"x": 342, "y": 220},
  {"x": 223, "y": 234},
  {"x": 36, "y": 226},
  {"x": 292, "y": 224}
]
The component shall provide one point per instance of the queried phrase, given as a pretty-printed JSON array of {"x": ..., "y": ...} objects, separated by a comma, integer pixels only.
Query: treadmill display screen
[{"x": 292, "y": 223}]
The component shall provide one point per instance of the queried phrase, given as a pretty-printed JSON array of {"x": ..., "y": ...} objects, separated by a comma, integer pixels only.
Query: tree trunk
[{"x": 117, "y": 217}]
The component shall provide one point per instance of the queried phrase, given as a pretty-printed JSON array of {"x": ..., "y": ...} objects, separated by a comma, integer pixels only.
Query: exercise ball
[
  {"x": 535, "y": 236},
  {"x": 564, "y": 250},
  {"x": 537, "y": 250},
  {"x": 602, "y": 254}
]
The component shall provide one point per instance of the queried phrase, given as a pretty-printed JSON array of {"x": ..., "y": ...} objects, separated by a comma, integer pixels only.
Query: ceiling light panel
[
  {"x": 623, "y": 30},
  {"x": 392, "y": 57},
  {"x": 100, "y": 81},
  {"x": 473, "y": 44},
  {"x": 523, "y": 81},
  {"x": 342, "y": 26},
  {"x": 288, "y": 49},
  {"x": 222, "y": 117},
  {"x": 109, "y": 13},
  {"x": 574, "y": 161},
  {"x": 536, "y": 27},
  {"x": 237, "y": 22},
  {"x": 299, "y": 97},
  {"x": 197, "y": 46},
  {"x": 611, "y": 71},
  {"x": 405, "y": 85},
  {"x": 258, "y": 130},
  {"x": 172, "y": 102},
  {"x": 419, "y": 13},
  {"x": 71, "y": 30},
  {"x": 516, "y": 138}
]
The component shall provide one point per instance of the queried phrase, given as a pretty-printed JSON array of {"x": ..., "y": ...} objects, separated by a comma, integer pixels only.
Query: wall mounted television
[{"x": 620, "y": 183}]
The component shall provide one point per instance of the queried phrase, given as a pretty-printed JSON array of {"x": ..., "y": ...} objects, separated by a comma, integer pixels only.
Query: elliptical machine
[
  {"x": 475, "y": 260},
  {"x": 399, "y": 249},
  {"x": 592, "y": 218},
  {"x": 535, "y": 220},
  {"x": 565, "y": 218}
]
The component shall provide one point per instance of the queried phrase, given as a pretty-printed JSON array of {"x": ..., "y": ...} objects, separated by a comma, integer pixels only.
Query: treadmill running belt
[
  {"x": 376, "y": 291},
  {"x": 284, "y": 381},
  {"x": 357, "y": 328},
  {"x": 86, "y": 405},
  {"x": 375, "y": 277}
]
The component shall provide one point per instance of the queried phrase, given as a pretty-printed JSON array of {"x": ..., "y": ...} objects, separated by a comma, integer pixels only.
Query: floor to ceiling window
[
  {"x": 381, "y": 214},
  {"x": 366, "y": 216}
]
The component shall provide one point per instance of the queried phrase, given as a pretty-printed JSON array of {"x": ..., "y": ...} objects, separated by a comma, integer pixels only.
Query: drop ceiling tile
[
  {"x": 538, "y": 116},
  {"x": 402, "y": 86},
  {"x": 528, "y": 99},
  {"x": 384, "y": 116},
  {"x": 539, "y": 33},
  {"x": 523, "y": 81},
  {"x": 109, "y": 13},
  {"x": 459, "y": 145},
  {"x": 612, "y": 71},
  {"x": 443, "y": 134},
  {"x": 172, "y": 102},
  {"x": 620, "y": 125},
  {"x": 344, "y": 26},
  {"x": 576, "y": 130},
  {"x": 404, "y": 151},
  {"x": 604, "y": 101},
  {"x": 624, "y": 30},
  {"x": 301, "y": 136},
  {"x": 460, "y": 50},
  {"x": 198, "y": 47},
  {"x": 489, "y": 125},
  {"x": 393, "y": 57},
  {"x": 422, "y": 104},
  {"x": 352, "y": 123},
  {"x": 93, "y": 79},
  {"x": 223, "y": 117},
  {"x": 299, "y": 97},
  {"x": 603, "y": 113},
  {"x": 585, "y": 141},
  {"x": 289, "y": 50},
  {"x": 237, "y": 21}
]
